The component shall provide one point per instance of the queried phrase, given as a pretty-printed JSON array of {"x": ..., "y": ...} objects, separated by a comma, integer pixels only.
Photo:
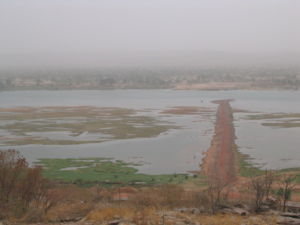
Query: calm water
[
  {"x": 178, "y": 150},
  {"x": 253, "y": 100}
]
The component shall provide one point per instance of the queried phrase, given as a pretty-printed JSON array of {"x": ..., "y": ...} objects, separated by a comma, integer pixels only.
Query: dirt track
[{"x": 219, "y": 162}]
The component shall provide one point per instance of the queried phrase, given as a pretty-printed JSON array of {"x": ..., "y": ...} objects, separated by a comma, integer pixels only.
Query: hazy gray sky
[{"x": 95, "y": 28}]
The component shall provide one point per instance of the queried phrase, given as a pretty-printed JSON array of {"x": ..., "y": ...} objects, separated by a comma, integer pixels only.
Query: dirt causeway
[{"x": 219, "y": 162}]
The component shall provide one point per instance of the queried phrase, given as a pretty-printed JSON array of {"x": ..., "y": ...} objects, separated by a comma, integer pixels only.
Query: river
[{"x": 177, "y": 150}]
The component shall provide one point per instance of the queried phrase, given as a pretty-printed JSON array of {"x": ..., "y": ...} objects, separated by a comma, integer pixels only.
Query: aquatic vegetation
[
  {"x": 247, "y": 169},
  {"x": 30, "y": 124},
  {"x": 103, "y": 170},
  {"x": 280, "y": 120},
  {"x": 282, "y": 124},
  {"x": 273, "y": 116}
]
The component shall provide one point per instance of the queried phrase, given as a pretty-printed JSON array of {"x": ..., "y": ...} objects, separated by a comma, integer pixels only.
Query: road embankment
[{"x": 219, "y": 161}]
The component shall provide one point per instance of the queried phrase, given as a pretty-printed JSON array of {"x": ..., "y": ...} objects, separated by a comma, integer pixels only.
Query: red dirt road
[{"x": 219, "y": 162}]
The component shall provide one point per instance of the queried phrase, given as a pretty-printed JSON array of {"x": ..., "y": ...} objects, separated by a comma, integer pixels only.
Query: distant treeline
[{"x": 156, "y": 78}]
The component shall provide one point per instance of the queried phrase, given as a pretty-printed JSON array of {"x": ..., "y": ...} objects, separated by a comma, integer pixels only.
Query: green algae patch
[{"x": 106, "y": 171}]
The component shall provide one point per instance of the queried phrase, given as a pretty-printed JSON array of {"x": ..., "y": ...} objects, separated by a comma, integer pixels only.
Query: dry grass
[
  {"x": 69, "y": 202},
  {"x": 148, "y": 206},
  {"x": 110, "y": 213},
  {"x": 138, "y": 216},
  {"x": 68, "y": 211},
  {"x": 166, "y": 196}
]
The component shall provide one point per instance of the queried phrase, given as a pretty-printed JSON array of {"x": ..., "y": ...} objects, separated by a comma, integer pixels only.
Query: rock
[
  {"x": 235, "y": 210},
  {"x": 71, "y": 219},
  {"x": 126, "y": 223},
  {"x": 292, "y": 215},
  {"x": 240, "y": 211},
  {"x": 265, "y": 208},
  {"x": 195, "y": 211},
  {"x": 242, "y": 206},
  {"x": 271, "y": 201},
  {"x": 182, "y": 210},
  {"x": 187, "y": 221},
  {"x": 189, "y": 210},
  {"x": 293, "y": 206},
  {"x": 115, "y": 222},
  {"x": 288, "y": 221},
  {"x": 180, "y": 223}
]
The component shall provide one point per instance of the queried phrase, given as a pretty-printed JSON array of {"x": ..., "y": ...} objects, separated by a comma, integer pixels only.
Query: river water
[{"x": 180, "y": 150}]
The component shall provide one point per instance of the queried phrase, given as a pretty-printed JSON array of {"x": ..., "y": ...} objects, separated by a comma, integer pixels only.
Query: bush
[{"x": 21, "y": 186}]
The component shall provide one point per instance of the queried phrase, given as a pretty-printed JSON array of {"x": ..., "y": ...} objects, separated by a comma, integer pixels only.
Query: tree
[
  {"x": 262, "y": 187},
  {"x": 20, "y": 185},
  {"x": 259, "y": 188},
  {"x": 287, "y": 185},
  {"x": 12, "y": 165},
  {"x": 32, "y": 188},
  {"x": 269, "y": 180},
  {"x": 214, "y": 193}
]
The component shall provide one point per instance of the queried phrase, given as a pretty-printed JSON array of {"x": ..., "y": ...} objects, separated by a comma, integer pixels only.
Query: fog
[{"x": 92, "y": 33}]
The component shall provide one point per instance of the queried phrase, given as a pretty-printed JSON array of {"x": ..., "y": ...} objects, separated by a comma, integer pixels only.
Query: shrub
[{"x": 21, "y": 187}]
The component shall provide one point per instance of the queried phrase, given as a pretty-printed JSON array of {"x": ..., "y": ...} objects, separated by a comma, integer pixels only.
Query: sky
[{"x": 117, "y": 32}]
